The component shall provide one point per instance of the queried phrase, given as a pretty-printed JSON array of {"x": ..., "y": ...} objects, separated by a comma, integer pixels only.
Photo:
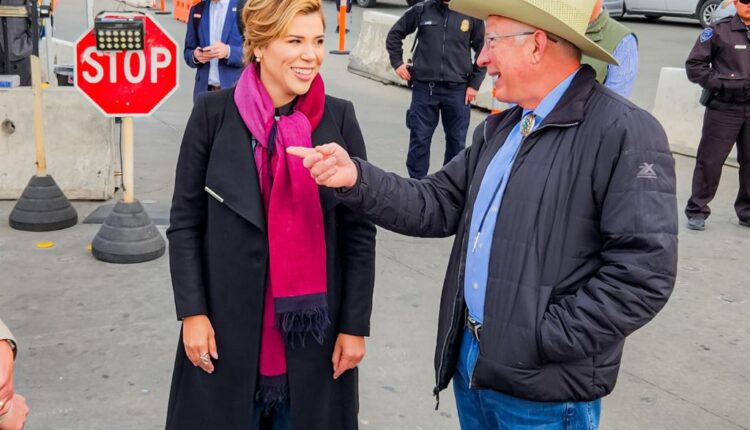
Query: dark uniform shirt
[
  {"x": 444, "y": 42},
  {"x": 720, "y": 60}
]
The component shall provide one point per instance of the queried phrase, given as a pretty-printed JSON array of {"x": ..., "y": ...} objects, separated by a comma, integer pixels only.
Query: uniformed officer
[
  {"x": 720, "y": 63},
  {"x": 443, "y": 75}
]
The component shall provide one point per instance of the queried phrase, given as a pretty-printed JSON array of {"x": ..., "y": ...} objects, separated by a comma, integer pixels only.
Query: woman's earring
[{"x": 257, "y": 59}]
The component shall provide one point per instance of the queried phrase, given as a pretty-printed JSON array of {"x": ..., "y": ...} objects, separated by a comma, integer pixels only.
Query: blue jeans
[
  {"x": 492, "y": 410},
  {"x": 278, "y": 419},
  {"x": 428, "y": 101}
]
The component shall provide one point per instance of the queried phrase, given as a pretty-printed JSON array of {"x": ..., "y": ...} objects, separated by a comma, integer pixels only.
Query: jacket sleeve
[
  {"x": 430, "y": 207},
  {"x": 477, "y": 43},
  {"x": 188, "y": 216},
  {"x": 634, "y": 187},
  {"x": 394, "y": 42},
  {"x": 191, "y": 41},
  {"x": 698, "y": 65},
  {"x": 6, "y": 335},
  {"x": 356, "y": 242}
]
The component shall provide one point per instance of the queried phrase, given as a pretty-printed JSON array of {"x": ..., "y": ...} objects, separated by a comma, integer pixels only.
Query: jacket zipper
[
  {"x": 436, "y": 390},
  {"x": 445, "y": 32}
]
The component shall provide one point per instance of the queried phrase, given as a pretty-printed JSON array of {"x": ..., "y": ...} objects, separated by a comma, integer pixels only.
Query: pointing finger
[{"x": 300, "y": 151}]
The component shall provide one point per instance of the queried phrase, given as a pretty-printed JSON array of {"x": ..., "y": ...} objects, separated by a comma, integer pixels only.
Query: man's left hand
[
  {"x": 217, "y": 50},
  {"x": 347, "y": 353},
  {"x": 471, "y": 94}
]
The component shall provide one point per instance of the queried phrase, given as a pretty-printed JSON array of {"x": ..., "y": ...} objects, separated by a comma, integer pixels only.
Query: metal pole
[
  {"x": 127, "y": 159},
  {"x": 34, "y": 17},
  {"x": 89, "y": 14},
  {"x": 36, "y": 88},
  {"x": 6, "y": 49}
]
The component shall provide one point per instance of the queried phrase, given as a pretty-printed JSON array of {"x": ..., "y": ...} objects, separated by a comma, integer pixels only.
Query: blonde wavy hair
[{"x": 268, "y": 20}]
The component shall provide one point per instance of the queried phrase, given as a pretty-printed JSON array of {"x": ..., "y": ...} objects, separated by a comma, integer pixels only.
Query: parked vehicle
[
  {"x": 705, "y": 11},
  {"x": 371, "y": 3}
]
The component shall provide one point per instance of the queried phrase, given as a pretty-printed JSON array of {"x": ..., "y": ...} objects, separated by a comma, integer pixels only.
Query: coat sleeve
[
  {"x": 191, "y": 41},
  {"x": 698, "y": 64},
  {"x": 634, "y": 186},
  {"x": 430, "y": 207},
  {"x": 477, "y": 43},
  {"x": 187, "y": 218},
  {"x": 356, "y": 244},
  {"x": 405, "y": 25},
  {"x": 6, "y": 335}
]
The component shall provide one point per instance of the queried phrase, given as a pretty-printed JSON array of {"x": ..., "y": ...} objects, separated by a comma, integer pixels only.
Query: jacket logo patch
[
  {"x": 196, "y": 15},
  {"x": 707, "y": 35},
  {"x": 646, "y": 171},
  {"x": 740, "y": 46},
  {"x": 465, "y": 25}
]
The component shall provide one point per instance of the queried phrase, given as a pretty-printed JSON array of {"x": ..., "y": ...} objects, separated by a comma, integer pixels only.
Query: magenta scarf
[{"x": 295, "y": 300}]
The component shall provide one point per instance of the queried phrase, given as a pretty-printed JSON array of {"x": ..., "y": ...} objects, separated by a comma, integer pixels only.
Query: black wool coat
[{"x": 219, "y": 257}]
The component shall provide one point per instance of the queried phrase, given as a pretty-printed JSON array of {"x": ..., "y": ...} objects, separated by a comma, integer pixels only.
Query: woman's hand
[
  {"x": 200, "y": 342},
  {"x": 347, "y": 353}
]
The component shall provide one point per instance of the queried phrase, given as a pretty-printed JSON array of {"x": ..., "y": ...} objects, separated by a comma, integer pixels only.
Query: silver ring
[{"x": 205, "y": 358}]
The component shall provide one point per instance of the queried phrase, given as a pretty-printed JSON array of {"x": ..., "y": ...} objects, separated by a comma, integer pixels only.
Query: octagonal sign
[{"x": 128, "y": 83}]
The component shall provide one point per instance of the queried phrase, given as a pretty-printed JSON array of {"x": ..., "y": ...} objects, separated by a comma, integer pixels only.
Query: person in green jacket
[{"x": 622, "y": 43}]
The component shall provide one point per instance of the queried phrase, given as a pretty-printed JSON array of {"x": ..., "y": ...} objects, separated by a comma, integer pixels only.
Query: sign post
[
  {"x": 42, "y": 205},
  {"x": 137, "y": 71}
]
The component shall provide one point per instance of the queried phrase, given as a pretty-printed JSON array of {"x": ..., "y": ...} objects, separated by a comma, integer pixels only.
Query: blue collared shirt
[
  {"x": 497, "y": 174},
  {"x": 620, "y": 79},
  {"x": 218, "y": 14}
]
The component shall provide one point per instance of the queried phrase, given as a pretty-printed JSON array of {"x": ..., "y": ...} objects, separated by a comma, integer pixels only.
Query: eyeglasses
[
  {"x": 493, "y": 37},
  {"x": 745, "y": 1}
]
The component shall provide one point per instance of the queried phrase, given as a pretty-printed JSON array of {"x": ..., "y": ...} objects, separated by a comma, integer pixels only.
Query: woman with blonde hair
[{"x": 272, "y": 278}]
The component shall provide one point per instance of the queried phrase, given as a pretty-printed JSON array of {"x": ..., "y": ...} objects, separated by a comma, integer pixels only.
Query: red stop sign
[{"x": 128, "y": 83}]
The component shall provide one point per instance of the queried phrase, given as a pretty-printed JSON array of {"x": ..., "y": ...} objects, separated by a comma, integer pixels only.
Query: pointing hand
[{"x": 329, "y": 164}]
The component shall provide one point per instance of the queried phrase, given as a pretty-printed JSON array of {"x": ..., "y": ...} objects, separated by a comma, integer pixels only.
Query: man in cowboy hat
[{"x": 565, "y": 218}]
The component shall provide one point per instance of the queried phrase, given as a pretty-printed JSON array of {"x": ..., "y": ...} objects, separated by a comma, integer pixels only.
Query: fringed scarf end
[
  {"x": 272, "y": 396},
  {"x": 297, "y": 325}
]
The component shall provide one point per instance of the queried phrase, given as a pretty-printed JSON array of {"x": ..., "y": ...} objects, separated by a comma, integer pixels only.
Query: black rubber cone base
[
  {"x": 128, "y": 236},
  {"x": 42, "y": 207}
]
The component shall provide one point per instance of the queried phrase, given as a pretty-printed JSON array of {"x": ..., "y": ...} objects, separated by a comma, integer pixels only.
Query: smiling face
[
  {"x": 289, "y": 64},
  {"x": 505, "y": 58}
]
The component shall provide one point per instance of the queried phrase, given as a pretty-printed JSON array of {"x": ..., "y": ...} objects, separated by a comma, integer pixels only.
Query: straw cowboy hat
[{"x": 567, "y": 19}]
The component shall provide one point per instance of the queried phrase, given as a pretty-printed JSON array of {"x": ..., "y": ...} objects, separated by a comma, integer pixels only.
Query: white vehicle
[{"x": 704, "y": 11}]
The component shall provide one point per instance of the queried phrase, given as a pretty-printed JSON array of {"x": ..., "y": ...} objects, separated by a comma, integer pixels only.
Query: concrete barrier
[
  {"x": 677, "y": 108},
  {"x": 369, "y": 58},
  {"x": 79, "y": 141}
]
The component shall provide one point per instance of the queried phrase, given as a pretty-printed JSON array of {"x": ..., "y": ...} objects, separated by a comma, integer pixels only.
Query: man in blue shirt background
[
  {"x": 213, "y": 45},
  {"x": 621, "y": 42}
]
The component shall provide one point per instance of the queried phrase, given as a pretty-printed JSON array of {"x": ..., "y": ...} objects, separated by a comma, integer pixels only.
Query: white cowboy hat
[{"x": 567, "y": 19}]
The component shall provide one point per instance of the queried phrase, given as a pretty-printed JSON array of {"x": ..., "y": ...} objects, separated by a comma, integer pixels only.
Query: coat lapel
[
  {"x": 233, "y": 177},
  {"x": 232, "y": 174},
  {"x": 327, "y": 132},
  {"x": 229, "y": 20},
  {"x": 204, "y": 36}
]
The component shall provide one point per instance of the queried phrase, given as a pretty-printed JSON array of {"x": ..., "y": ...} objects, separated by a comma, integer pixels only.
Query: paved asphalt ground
[{"x": 97, "y": 341}]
